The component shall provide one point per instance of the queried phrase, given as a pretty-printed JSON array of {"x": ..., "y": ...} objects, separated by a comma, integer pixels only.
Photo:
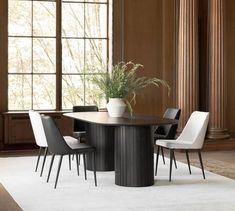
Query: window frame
[{"x": 58, "y": 52}]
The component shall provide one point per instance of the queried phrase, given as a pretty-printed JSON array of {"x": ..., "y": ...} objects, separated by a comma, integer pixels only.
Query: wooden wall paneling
[
  {"x": 217, "y": 71},
  {"x": 3, "y": 64},
  {"x": 187, "y": 60},
  {"x": 118, "y": 31},
  {"x": 169, "y": 51},
  {"x": 230, "y": 64},
  {"x": 3, "y": 54},
  {"x": 203, "y": 55},
  {"x": 143, "y": 44},
  {"x": 1, "y": 132},
  {"x": 18, "y": 130}
]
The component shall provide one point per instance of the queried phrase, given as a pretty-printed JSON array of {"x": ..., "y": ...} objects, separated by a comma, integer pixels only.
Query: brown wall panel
[
  {"x": 3, "y": 63},
  {"x": 143, "y": 44},
  {"x": 203, "y": 57},
  {"x": 230, "y": 64},
  {"x": 169, "y": 32}
]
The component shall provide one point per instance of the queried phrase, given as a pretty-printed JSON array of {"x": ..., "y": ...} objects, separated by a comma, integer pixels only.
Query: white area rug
[{"x": 185, "y": 192}]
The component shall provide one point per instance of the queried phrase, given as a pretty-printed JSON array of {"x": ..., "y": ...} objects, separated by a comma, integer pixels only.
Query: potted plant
[{"x": 121, "y": 85}]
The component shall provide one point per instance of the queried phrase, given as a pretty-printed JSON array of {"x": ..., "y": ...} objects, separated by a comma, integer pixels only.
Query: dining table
[{"x": 123, "y": 144}]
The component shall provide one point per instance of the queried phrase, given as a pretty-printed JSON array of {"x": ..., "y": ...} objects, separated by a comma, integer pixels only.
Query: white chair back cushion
[
  {"x": 38, "y": 129},
  {"x": 195, "y": 130}
]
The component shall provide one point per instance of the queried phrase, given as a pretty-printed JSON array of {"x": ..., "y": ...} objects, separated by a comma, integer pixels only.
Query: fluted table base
[
  {"x": 102, "y": 138},
  {"x": 133, "y": 156}
]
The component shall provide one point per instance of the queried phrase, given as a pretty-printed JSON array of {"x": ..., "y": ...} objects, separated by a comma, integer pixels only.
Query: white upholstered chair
[
  {"x": 40, "y": 138},
  {"x": 191, "y": 138}
]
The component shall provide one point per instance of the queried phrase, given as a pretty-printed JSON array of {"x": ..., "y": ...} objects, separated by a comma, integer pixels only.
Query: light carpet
[{"x": 185, "y": 192}]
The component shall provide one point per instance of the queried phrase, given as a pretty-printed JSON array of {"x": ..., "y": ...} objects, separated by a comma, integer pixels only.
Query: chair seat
[
  {"x": 77, "y": 147},
  {"x": 70, "y": 138},
  {"x": 175, "y": 144}
]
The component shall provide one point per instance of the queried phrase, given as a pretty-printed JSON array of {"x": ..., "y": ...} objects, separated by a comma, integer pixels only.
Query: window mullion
[{"x": 58, "y": 55}]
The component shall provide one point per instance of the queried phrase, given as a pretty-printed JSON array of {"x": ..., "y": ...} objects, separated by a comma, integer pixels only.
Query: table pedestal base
[
  {"x": 134, "y": 156},
  {"x": 102, "y": 138}
]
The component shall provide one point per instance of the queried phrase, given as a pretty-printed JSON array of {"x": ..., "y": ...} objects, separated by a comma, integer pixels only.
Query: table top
[{"x": 104, "y": 119}]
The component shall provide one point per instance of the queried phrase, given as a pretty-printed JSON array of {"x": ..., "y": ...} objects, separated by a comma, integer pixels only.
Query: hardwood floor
[
  {"x": 219, "y": 162},
  {"x": 7, "y": 203}
]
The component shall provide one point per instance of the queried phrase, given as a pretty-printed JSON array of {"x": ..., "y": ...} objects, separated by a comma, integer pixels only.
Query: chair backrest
[
  {"x": 55, "y": 141},
  {"x": 79, "y": 125},
  {"x": 38, "y": 129},
  {"x": 195, "y": 129},
  {"x": 169, "y": 130}
]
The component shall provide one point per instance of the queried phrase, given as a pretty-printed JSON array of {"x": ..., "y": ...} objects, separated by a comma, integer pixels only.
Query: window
[{"x": 54, "y": 49}]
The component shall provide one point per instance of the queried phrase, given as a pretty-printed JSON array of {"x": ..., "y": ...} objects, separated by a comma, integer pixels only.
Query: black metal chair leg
[
  {"x": 51, "y": 164},
  {"x": 77, "y": 163},
  {"x": 39, "y": 154},
  {"x": 200, "y": 158},
  {"x": 58, "y": 170},
  {"x": 163, "y": 157},
  {"x": 174, "y": 159},
  {"x": 94, "y": 156},
  {"x": 70, "y": 162},
  {"x": 79, "y": 156},
  {"x": 158, "y": 149},
  {"x": 171, "y": 158},
  {"x": 44, "y": 159},
  {"x": 73, "y": 157},
  {"x": 189, "y": 168},
  {"x": 84, "y": 163}
]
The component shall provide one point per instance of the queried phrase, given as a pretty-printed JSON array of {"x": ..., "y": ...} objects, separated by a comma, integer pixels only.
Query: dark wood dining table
[{"x": 123, "y": 144}]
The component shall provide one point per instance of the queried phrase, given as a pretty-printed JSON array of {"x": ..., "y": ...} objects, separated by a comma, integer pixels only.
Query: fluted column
[
  {"x": 187, "y": 59},
  {"x": 217, "y": 74}
]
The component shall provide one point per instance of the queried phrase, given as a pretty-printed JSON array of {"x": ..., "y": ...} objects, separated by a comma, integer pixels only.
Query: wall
[
  {"x": 143, "y": 42},
  {"x": 3, "y": 63},
  {"x": 230, "y": 57}
]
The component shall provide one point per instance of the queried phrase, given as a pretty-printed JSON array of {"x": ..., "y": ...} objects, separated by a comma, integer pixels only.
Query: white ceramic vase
[{"x": 116, "y": 107}]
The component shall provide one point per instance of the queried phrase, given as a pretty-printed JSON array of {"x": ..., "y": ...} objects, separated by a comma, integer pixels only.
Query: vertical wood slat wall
[
  {"x": 187, "y": 59},
  {"x": 217, "y": 71}
]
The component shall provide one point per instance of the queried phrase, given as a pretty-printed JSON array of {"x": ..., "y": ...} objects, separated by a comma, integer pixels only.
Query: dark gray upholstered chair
[
  {"x": 167, "y": 131},
  {"x": 40, "y": 138},
  {"x": 79, "y": 127},
  {"x": 58, "y": 146}
]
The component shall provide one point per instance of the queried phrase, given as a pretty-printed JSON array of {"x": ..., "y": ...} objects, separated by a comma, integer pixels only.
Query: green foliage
[{"x": 123, "y": 82}]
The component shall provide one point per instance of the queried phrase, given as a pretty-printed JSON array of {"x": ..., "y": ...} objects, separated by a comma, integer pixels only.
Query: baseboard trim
[
  {"x": 209, "y": 145},
  {"x": 219, "y": 144}
]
